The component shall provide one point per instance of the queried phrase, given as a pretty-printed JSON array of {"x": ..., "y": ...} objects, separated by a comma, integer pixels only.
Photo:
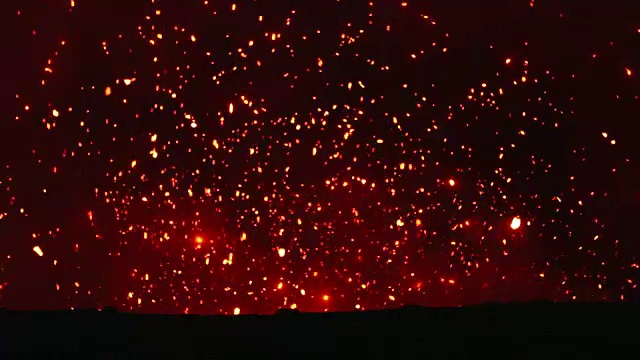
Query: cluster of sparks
[{"x": 239, "y": 158}]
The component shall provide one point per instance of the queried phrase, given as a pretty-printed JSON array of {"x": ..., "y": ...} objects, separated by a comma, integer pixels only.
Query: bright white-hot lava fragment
[{"x": 515, "y": 223}]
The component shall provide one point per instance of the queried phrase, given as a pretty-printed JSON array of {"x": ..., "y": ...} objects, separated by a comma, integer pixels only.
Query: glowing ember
[
  {"x": 38, "y": 250},
  {"x": 515, "y": 223}
]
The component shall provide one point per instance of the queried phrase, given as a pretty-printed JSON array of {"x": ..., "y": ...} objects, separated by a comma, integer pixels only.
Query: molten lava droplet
[
  {"x": 515, "y": 223},
  {"x": 38, "y": 250}
]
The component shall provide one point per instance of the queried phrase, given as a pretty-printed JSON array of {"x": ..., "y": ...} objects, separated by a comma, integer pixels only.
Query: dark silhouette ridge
[
  {"x": 287, "y": 312},
  {"x": 542, "y": 329}
]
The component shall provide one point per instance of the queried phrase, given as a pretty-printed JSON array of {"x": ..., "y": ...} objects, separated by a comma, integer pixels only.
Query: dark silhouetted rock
[
  {"x": 566, "y": 330},
  {"x": 288, "y": 312},
  {"x": 110, "y": 309}
]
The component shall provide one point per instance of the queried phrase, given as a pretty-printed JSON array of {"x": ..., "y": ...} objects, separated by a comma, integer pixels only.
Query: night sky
[{"x": 210, "y": 157}]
